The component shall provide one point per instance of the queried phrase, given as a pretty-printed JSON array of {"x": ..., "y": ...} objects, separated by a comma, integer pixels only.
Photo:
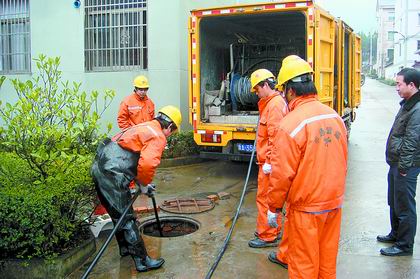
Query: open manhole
[
  {"x": 172, "y": 226},
  {"x": 187, "y": 205}
]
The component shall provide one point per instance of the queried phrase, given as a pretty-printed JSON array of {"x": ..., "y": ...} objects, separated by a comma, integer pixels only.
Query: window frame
[
  {"x": 391, "y": 36},
  {"x": 390, "y": 54},
  {"x": 15, "y": 37},
  {"x": 107, "y": 27}
]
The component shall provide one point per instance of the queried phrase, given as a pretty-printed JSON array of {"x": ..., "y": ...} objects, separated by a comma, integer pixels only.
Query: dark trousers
[
  {"x": 402, "y": 203},
  {"x": 112, "y": 170}
]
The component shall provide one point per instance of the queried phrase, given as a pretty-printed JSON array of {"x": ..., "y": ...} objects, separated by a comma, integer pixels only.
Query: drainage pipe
[
  {"x": 238, "y": 209},
  {"x": 116, "y": 226}
]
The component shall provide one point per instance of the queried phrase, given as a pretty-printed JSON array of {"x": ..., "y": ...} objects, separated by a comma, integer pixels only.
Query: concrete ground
[{"x": 365, "y": 213}]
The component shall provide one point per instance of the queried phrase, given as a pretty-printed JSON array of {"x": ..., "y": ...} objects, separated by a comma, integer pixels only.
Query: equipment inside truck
[{"x": 231, "y": 48}]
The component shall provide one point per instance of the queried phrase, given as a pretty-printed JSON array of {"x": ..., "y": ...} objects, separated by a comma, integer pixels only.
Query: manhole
[
  {"x": 187, "y": 205},
  {"x": 172, "y": 226}
]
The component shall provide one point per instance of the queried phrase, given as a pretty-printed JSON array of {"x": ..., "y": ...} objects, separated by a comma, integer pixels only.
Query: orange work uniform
[
  {"x": 134, "y": 110},
  {"x": 148, "y": 140},
  {"x": 309, "y": 165},
  {"x": 272, "y": 109},
  {"x": 131, "y": 155}
]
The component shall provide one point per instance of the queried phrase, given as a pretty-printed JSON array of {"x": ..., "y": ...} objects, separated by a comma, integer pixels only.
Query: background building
[
  {"x": 385, "y": 12},
  {"x": 406, "y": 36},
  {"x": 103, "y": 44}
]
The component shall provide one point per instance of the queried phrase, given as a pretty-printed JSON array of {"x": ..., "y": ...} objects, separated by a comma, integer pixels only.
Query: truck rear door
[
  {"x": 356, "y": 71},
  {"x": 324, "y": 56}
]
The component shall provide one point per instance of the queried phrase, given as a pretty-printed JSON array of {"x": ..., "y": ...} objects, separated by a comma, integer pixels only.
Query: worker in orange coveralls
[
  {"x": 309, "y": 165},
  {"x": 272, "y": 108},
  {"x": 137, "y": 107},
  {"x": 133, "y": 154}
]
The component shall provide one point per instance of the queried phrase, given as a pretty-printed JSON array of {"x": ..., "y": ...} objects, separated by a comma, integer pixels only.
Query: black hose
[
  {"x": 116, "y": 226},
  {"x": 238, "y": 209},
  {"x": 246, "y": 72}
]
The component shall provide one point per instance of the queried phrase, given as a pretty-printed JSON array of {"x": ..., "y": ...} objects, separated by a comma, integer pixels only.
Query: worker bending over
[{"x": 133, "y": 154}]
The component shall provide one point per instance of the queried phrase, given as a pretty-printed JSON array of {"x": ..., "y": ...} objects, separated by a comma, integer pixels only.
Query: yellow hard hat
[
  {"x": 173, "y": 114},
  {"x": 141, "y": 82},
  {"x": 258, "y": 76},
  {"x": 293, "y": 66}
]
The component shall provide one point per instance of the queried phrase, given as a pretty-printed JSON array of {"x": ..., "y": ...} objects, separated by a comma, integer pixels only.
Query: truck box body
[{"x": 226, "y": 44}]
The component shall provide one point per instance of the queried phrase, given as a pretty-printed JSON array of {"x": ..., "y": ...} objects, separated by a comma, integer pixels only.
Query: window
[
  {"x": 115, "y": 35},
  {"x": 390, "y": 55},
  {"x": 391, "y": 17},
  {"x": 15, "y": 54},
  {"x": 418, "y": 17},
  {"x": 418, "y": 45},
  {"x": 390, "y": 36}
]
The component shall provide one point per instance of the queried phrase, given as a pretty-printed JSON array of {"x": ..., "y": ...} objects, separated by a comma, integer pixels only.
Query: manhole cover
[
  {"x": 172, "y": 226},
  {"x": 187, "y": 206}
]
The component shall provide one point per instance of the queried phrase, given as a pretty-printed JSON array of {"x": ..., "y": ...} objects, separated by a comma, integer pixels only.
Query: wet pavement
[{"x": 365, "y": 213}]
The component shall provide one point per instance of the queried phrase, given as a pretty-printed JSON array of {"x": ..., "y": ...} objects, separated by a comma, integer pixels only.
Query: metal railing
[
  {"x": 115, "y": 35},
  {"x": 15, "y": 46}
]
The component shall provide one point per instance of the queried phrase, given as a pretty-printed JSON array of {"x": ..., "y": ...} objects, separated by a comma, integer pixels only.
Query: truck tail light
[{"x": 211, "y": 138}]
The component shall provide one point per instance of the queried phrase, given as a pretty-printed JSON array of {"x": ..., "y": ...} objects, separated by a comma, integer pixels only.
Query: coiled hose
[
  {"x": 242, "y": 91},
  {"x": 238, "y": 209}
]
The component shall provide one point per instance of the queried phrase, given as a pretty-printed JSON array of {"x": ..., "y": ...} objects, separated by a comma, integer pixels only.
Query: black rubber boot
[
  {"x": 153, "y": 263},
  {"x": 147, "y": 263},
  {"x": 140, "y": 267},
  {"x": 122, "y": 244},
  {"x": 124, "y": 251}
]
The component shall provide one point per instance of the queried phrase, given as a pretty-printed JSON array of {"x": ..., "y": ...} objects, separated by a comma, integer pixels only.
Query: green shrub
[
  {"x": 389, "y": 82},
  {"x": 47, "y": 144},
  {"x": 41, "y": 220},
  {"x": 181, "y": 144},
  {"x": 52, "y": 121}
]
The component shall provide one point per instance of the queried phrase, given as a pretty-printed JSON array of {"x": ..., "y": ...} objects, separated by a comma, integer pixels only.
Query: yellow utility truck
[{"x": 226, "y": 44}]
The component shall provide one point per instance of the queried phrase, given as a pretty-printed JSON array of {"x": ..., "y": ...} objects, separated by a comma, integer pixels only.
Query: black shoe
[
  {"x": 279, "y": 236},
  {"x": 147, "y": 264},
  {"x": 124, "y": 251},
  {"x": 259, "y": 243},
  {"x": 386, "y": 238},
  {"x": 273, "y": 258},
  {"x": 396, "y": 251}
]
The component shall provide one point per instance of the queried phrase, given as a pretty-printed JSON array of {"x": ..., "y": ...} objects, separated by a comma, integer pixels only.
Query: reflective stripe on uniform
[
  {"x": 153, "y": 131},
  {"x": 310, "y": 120}
]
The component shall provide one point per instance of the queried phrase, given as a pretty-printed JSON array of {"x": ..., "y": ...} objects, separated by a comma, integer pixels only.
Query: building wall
[
  {"x": 407, "y": 24},
  {"x": 57, "y": 29},
  {"x": 386, "y": 24}
]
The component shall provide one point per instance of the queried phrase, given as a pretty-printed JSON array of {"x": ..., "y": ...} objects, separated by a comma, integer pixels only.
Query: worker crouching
[{"x": 133, "y": 154}]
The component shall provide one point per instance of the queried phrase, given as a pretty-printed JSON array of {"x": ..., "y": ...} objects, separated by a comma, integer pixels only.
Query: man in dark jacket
[{"x": 403, "y": 157}]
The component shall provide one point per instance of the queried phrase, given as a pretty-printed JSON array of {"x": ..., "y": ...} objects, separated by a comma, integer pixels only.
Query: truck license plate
[{"x": 245, "y": 147}]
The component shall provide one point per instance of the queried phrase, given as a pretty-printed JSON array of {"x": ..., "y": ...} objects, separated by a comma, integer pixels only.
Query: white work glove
[
  {"x": 148, "y": 190},
  {"x": 266, "y": 168},
  {"x": 272, "y": 219}
]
